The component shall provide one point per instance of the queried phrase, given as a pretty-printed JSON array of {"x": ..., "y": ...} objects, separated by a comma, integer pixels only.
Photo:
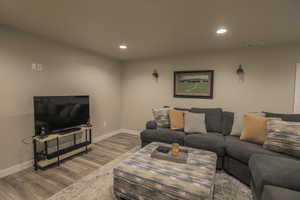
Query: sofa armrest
[{"x": 151, "y": 125}]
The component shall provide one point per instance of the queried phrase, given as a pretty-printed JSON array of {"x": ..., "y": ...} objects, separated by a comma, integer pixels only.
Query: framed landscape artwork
[{"x": 194, "y": 84}]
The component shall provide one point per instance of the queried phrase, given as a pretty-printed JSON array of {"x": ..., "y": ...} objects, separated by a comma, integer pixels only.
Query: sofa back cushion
[
  {"x": 284, "y": 117},
  {"x": 213, "y": 118},
  {"x": 283, "y": 137},
  {"x": 183, "y": 109},
  {"x": 227, "y": 122},
  {"x": 178, "y": 108}
]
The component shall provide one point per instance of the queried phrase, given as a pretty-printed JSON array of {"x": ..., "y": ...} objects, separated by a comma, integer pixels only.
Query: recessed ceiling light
[
  {"x": 123, "y": 46},
  {"x": 221, "y": 31}
]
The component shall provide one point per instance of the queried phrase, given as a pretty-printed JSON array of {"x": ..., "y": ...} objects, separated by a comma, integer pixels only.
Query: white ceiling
[{"x": 156, "y": 27}]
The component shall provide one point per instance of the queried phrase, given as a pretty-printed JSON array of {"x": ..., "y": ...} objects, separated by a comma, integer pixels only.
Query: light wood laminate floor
[{"x": 40, "y": 185}]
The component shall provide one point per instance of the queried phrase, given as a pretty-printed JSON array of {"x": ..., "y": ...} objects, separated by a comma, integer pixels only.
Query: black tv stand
[
  {"x": 69, "y": 130},
  {"x": 44, "y": 159}
]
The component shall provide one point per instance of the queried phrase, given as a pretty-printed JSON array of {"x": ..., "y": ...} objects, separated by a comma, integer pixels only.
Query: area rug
[{"x": 98, "y": 185}]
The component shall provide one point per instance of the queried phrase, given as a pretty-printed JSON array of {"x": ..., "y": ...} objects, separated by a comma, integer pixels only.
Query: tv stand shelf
[
  {"x": 61, "y": 154},
  {"x": 57, "y": 135}
]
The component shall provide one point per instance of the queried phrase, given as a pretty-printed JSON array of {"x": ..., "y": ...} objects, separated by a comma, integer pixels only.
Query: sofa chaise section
[
  {"x": 271, "y": 192},
  {"x": 276, "y": 171},
  {"x": 238, "y": 154}
]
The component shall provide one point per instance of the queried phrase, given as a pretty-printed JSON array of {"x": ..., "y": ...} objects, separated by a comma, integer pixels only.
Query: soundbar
[{"x": 63, "y": 132}]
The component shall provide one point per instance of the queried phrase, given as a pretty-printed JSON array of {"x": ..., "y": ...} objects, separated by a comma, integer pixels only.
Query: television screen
[{"x": 56, "y": 113}]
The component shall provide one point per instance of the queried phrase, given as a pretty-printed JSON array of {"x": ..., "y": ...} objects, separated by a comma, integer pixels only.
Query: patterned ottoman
[{"x": 141, "y": 177}]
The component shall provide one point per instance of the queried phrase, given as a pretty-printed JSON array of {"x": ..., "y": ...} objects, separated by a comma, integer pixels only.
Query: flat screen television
[{"x": 57, "y": 113}]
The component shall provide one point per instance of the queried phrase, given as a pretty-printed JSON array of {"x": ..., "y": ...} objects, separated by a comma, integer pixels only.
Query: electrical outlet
[
  {"x": 104, "y": 123},
  {"x": 34, "y": 67},
  {"x": 39, "y": 67}
]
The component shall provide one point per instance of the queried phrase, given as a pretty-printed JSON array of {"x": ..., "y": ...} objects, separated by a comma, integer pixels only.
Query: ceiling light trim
[
  {"x": 221, "y": 31},
  {"x": 123, "y": 46}
]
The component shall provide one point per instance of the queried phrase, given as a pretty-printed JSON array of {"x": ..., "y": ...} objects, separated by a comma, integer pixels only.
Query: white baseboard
[
  {"x": 104, "y": 136},
  {"x": 134, "y": 132},
  {"x": 16, "y": 168},
  {"x": 19, "y": 167},
  {"x": 107, "y": 135}
]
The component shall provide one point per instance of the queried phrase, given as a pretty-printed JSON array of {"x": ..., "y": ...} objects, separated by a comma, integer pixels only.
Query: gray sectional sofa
[{"x": 271, "y": 175}]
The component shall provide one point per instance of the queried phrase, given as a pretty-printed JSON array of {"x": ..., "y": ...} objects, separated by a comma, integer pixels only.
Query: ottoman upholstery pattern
[{"x": 142, "y": 177}]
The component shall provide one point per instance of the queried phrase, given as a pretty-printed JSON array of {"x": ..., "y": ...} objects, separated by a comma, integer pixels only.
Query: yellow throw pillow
[
  {"x": 176, "y": 119},
  {"x": 255, "y": 128}
]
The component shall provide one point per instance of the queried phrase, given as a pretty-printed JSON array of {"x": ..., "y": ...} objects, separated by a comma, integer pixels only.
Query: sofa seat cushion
[
  {"x": 210, "y": 141},
  {"x": 242, "y": 150},
  {"x": 163, "y": 135},
  {"x": 278, "y": 193},
  {"x": 274, "y": 170}
]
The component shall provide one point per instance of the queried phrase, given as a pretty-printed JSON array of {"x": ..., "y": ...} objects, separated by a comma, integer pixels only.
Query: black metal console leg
[
  {"x": 58, "y": 154},
  {"x": 35, "y": 155},
  {"x": 46, "y": 148},
  {"x": 86, "y": 139},
  {"x": 90, "y": 133}
]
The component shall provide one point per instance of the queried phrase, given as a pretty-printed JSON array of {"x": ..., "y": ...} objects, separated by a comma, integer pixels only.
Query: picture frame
[{"x": 194, "y": 84}]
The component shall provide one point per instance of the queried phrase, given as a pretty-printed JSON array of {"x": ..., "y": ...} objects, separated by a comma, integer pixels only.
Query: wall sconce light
[
  {"x": 241, "y": 73},
  {"x": 240, "y": 70},
  {"x": 155, "y": 74}
]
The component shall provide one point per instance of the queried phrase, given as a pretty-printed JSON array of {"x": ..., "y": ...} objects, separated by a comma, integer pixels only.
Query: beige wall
[
  {"x": 124, "y": 96},
  {"x": 67, "y": 71},
  {"x": 268, "y": 85}
]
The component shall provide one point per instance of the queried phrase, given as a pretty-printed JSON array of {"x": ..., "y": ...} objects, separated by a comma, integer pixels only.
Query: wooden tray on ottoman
[
  {"x": 142, "y": 177},
  {"x": 181, "y": 158}
]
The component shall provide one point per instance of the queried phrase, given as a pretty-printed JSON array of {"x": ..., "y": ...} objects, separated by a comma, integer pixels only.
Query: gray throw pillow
[
  {"x": 194, "y": 123},
  {"x": 283, "y": 137},
  {"x": 238, "y": 122}
]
